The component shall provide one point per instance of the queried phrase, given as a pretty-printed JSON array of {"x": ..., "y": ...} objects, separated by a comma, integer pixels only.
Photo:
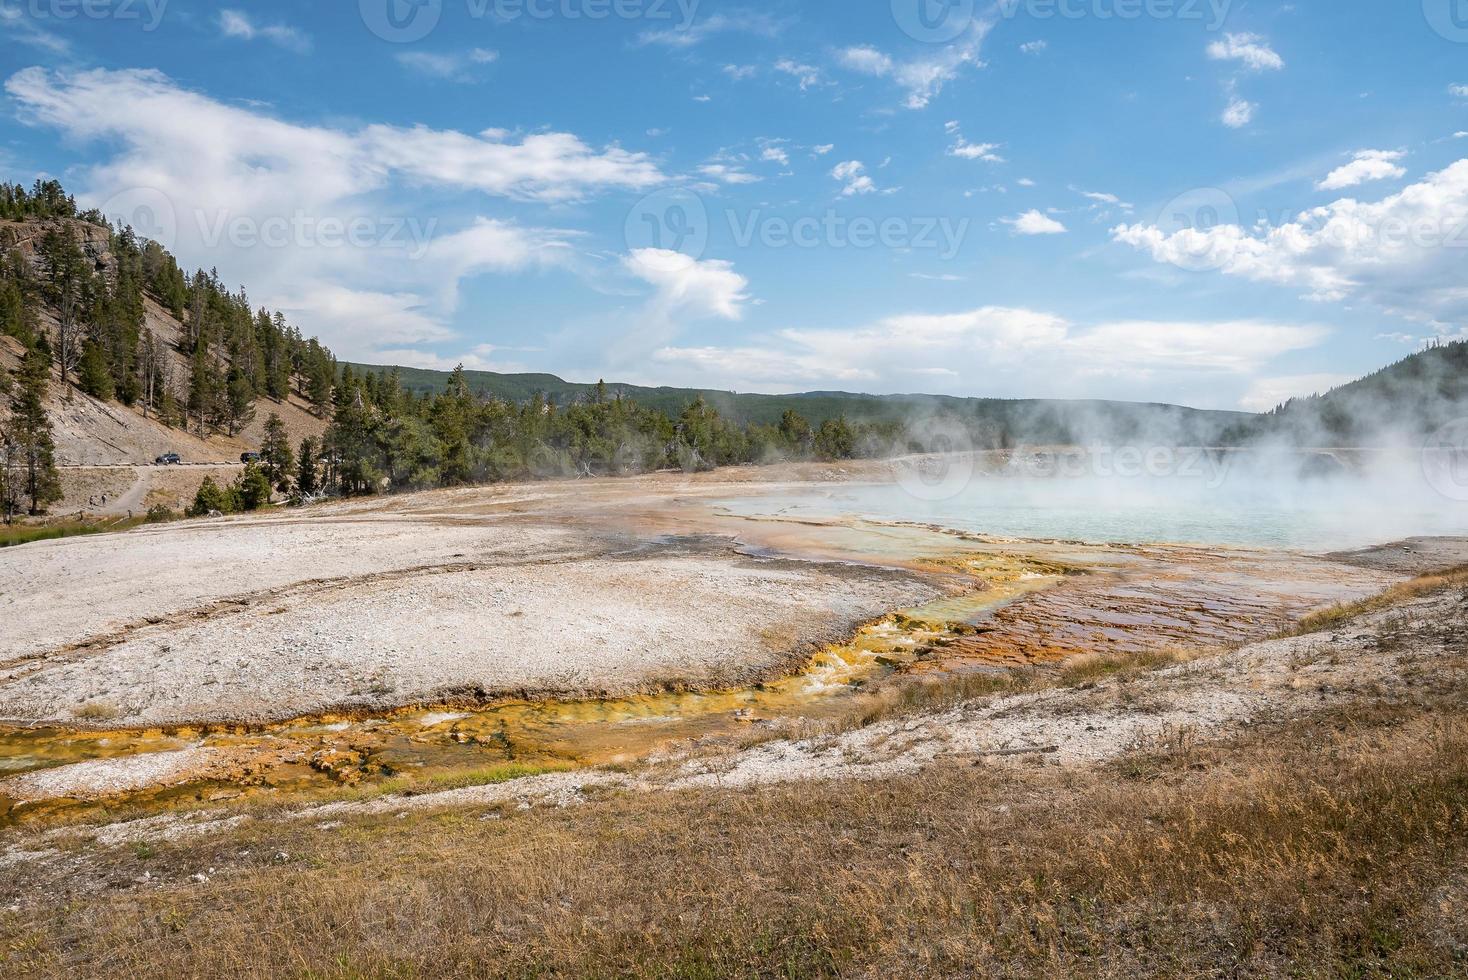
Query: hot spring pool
[{"x": 1244, "y": 508}]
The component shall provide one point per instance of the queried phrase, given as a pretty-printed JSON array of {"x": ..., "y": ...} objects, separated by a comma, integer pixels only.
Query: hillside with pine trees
[{"x": 144, "y": 358}]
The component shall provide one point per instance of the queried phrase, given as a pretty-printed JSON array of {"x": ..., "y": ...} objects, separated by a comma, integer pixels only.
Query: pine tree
[
  {"x": 306, "y": 482},
  {"x": 205, "y": 390},
  {"x": 795, "y": 432},
  {"x": 29, "y": 430},
  {"x": 275, "y": 454},
  {"x": 152, "y": 370},
  {"x": 835, "y": 439},
  {"x": 252, "y": 489},
  {"x": 10, "y": 468},
  {"x": 92, "y": 375},
  {"x": 452, "y": 421},
  {"x": 16, "y": 317},
  {"x": 69, "y": 288},
  {"x": 212, "y": 498},
  {"x": 350, "y": 441},
  {"x": 239, "y": 402}
]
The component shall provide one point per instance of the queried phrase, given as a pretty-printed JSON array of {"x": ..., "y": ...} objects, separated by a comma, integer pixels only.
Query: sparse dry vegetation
[
  {"x": 1336, "y": 616},
  {"x": 942, "y": 691},
  {"x": 1332, "y": 845}
]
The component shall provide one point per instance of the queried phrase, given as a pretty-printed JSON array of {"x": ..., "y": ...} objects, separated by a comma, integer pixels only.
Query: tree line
[{"x": 383, "y": 438}]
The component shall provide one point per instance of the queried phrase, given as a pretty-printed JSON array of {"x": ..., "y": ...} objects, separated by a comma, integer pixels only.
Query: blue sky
[{"x": 1218, "y": 203}]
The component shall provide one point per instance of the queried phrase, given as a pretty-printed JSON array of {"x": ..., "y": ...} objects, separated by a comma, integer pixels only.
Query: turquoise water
[{"x": 1243, "y": 509}]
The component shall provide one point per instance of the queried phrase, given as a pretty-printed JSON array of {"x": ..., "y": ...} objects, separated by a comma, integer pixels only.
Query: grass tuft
[{"x": 1423, "y": 585}]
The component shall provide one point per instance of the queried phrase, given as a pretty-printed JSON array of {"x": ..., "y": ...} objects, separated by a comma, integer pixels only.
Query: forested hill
[
  {"x": 1398, "y": 405},
  {"x": 993, "y": 421},
  {"x": 134, "y": 357}
]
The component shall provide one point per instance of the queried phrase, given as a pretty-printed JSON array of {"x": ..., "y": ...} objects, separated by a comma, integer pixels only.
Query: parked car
[
  {"x": 168, "y": 459},
  {"x": 248, "y": 458}
]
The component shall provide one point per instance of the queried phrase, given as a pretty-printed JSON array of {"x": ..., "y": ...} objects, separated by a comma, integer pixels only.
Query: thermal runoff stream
[{"x": 1019, "y": 572}]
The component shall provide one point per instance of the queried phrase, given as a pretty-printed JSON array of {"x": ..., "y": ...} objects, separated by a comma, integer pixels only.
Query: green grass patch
[{"x": 15, "y": 534}]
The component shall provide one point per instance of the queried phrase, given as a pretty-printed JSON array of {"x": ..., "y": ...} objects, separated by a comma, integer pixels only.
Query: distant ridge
[{"x": 994, "y": 421}]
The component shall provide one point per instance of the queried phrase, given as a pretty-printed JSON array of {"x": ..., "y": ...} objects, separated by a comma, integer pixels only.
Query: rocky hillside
[
  {"x": 144, "y": 359},
  {"x": 93, "y": 432}
]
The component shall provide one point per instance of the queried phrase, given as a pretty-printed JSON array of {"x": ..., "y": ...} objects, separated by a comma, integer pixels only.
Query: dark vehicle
[
  {"x": 248, "y": 458},
  {"x": 168, "y": 459}
]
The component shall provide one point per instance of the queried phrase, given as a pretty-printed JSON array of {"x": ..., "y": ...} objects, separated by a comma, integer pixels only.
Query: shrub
[
  {"x": 252, "y": 490},
  {"x": 211, "y": 498}
]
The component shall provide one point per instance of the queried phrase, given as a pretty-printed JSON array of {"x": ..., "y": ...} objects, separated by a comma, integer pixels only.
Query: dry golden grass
[
  {"x": 1330, "y": 847},
  {"x": 1339, "y": 615}
]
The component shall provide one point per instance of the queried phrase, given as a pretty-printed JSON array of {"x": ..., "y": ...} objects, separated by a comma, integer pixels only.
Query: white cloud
[
  {"x": 866, "y": 60},
  {"x": 965, "y": 150},
  {"x": 775, "y": 154},
  {"x": 540, "y": 167},
  {"x": 237, "y": 24},
  {"x": 1102, "y": 202},
  {"x": 1403, "y": 254},
  {"x": 1458, "y": 91},
  {"x": 1251, "y": 50},
  {"x": 1025, "y": 182},
  {"x": 687, "y": 35},
  {"x": 689, "y": 287},
  {"x": 456, "y": 67},
  {"x": 807, "y": 76},
  {"x": 1237, "y": 346},
  {"x": 1366, "y": 165},
  {"x": 1034, "y": 47},
  {"x": 739, "y": 73},
  {"x": 924, "y": 77},
  {"x": 490, "y": 245},
  {"x": 976, "y": 151},
  {"x": 26, "y": 31},
  {"x": 1267, "y": 393},
  {"x": 220, "y": 167},
  {"x": 852, "y": 173},
  {"x": 1253, "y": 53},
  {"x": 365, "y": 319},
  {"x": 1031, "y": 348},
  {"x": 727, "y": 174},
  {"x": 1239, "y": 113},
  {"x": 1032, "y": 222},
  {"x": 825, "y": 148}
]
